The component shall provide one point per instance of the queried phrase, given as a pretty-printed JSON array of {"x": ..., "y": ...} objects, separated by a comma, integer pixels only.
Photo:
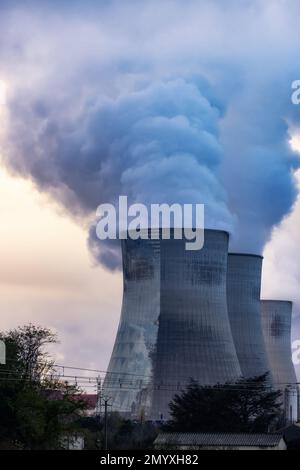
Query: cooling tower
[
  {"x": 276, "y": 321},
  {"x": 174, "y": 323},
  {"x": 244, "y": 310},
  {"x": 129, "y": 379}
]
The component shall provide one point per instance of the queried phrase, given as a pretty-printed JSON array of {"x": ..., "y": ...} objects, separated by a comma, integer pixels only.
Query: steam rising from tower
[{"x": 145, "y": 129}]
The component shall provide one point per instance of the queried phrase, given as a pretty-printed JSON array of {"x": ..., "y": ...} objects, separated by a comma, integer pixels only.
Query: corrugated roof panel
[{"x": 221, "y": 439}]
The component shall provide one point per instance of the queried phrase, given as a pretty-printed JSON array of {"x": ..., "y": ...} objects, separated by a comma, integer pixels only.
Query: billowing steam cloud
[
  {"x": 111, "y": 121},
  {"x": 158, "y": 144},
  {"x": 260, "y": 162}
]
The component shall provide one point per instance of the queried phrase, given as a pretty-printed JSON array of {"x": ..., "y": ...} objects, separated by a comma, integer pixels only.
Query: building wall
[
  {"x": 72, "y": 442},
  {"x": 244, "y": 309}
]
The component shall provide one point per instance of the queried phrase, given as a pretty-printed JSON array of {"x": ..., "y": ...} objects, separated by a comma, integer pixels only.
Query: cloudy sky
[{"x": 162, "y": 101}]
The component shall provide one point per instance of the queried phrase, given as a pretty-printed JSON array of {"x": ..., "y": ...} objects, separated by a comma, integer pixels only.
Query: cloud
[
  {"x": 105, "y": 98},
  {"x": 157, "y": 144},
  {"x": 46, "y": 277}
]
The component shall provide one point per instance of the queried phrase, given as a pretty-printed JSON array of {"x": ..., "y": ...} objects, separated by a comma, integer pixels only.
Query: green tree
[
  {"x": 27, "y": 349},
  {"x": 122, "y": 433},
  {"x": 36, "y": 409},
  {"x": 248, "y": 405}
]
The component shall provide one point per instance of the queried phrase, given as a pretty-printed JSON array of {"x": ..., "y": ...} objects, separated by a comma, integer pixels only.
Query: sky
[{"x": 164, "y": 102}]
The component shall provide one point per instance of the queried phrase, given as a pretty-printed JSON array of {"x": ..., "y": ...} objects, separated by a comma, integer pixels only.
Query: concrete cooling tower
[
  {"x": 174, "y": 324},
  {"x": 276, "y": 321},
  {"x": 244, "y": 310}
]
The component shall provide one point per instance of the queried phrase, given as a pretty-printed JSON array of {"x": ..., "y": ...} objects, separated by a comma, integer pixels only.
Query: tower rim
[{"x": 252, "y": 255}]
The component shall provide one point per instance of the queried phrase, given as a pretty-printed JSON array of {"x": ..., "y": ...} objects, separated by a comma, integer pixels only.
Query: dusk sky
[{"x": 162, "y": 101}]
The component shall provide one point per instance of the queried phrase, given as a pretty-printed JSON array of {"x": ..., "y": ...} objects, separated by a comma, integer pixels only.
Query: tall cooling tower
[
  {"x": 174, "y": 324},
  {"x": 276, "y": 320},
  {"x": 244, "y": 309},
  {"x": 129, "y": 379}
]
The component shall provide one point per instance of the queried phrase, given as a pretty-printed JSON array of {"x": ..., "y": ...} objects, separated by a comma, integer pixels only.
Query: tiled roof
[{"x": 218, "y": 439}]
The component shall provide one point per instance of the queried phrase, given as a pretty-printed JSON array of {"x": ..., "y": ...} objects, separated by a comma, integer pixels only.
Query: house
[
  {"x": 76, "y": 440},
  {"x": 218, "y": 441}
]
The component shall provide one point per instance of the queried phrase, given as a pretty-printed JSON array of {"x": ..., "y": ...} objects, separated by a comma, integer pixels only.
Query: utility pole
[
  {"x": 105, "y": 423},
  {"x": 102, "y": 399},
  {"x": 99, "y": 398}
]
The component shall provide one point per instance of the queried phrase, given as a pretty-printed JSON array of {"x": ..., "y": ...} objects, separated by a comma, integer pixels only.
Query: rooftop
[{"x": 219, "y": 439}]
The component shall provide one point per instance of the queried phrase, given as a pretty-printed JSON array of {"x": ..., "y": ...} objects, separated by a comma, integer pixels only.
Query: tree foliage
[
  {"x": 248, "y": 405},
  {"x": 26, "y": 348},
  {"x": 122, "y": 433},
  {"x": 36, "y": 409}
]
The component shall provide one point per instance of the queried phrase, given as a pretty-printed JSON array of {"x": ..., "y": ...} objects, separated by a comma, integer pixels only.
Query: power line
[
  {"x": 110, "y": 382},
  {"x": 84, "y": 381},
  {"x": 108, "y": 373},
  {"x": 149, "y": 387}
]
